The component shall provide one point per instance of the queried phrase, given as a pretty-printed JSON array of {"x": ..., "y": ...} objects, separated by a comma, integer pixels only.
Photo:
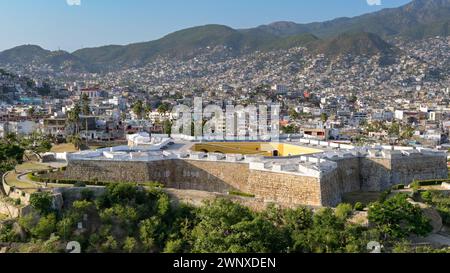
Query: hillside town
[{"x": 357, "y": 99}]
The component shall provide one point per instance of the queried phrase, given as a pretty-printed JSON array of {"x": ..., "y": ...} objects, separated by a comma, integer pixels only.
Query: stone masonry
[{"x": 317, "y": 180}]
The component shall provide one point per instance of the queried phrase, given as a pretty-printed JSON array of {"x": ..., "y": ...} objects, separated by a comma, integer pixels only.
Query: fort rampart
[{"x": 318, "y": 180}]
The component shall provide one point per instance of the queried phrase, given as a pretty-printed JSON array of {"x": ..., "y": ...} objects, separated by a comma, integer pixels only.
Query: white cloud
[
  {"x": 374, "y": 2},
  {"x": 73, "y": 2}
]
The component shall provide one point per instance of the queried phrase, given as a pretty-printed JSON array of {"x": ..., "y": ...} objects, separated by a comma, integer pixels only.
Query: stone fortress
[{"x": 305, "y": 172}]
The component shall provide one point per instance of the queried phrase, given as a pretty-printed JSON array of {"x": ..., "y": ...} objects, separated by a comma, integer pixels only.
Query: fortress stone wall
[
  {"x": 318, "y": 180},
  {"x": 285, "y": 189},
  {"x": 220, "y": 177}
]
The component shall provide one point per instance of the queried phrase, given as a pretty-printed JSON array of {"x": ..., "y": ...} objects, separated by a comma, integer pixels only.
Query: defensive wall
[{"x": 314, "y": 180}]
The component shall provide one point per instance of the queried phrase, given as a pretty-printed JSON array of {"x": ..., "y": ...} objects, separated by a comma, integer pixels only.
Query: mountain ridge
[
  {"x": 418, "y": 13},
  {"x": 416, "y": 20}
]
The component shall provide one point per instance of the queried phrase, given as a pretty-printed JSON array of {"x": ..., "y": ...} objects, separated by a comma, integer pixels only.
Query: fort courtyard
[{"x": 301, "y": 172}]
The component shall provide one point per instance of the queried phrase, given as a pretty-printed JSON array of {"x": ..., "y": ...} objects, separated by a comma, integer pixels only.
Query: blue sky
[{"x": 55, "y": 24}]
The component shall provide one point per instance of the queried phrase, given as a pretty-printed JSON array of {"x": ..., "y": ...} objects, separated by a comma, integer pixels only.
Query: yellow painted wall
[{"x": 256, "y": 148}]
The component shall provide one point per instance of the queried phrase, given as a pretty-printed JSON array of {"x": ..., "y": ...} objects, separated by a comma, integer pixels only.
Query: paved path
[{"x": 23, "y": 177}]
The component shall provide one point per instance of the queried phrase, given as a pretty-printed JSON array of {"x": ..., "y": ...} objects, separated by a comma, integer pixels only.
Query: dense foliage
[
  {"x": 126, "y": 218},
  {"x": 12, "y": 149},
  {"x": 397, "y": 218},
  {"x": 440, "y": 201},
  {"x": 10, "y": 156}
]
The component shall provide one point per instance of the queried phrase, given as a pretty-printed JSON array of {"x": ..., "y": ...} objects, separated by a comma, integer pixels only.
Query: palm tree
[
  {"x": 163, "y": 109},
  {"x": 76, "y": 141},
  {"x": 147, "y": 110},
  {"x": 31, "y": 111},
  {"x": 73, "y": 118},
  {"x": 138, "y": 109},
  {"x": 85, "y": 101}
]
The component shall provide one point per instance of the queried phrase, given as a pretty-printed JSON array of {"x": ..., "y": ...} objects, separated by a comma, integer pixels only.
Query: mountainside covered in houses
[{"x": 362, "y": 35}]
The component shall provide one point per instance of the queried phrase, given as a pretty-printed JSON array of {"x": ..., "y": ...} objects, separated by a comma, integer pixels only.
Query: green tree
[
  {"x": 167, "y": 127},
  {"x": 407, "y": 133},
  {"x": 325, "y": 236},
  {"x": 7, "y": 233},
  {"x": 397, "y": 218},
  {"x": 297, "y": 219},
  {"x": 37, "y": 143},
  {"x": 290, "y": 129},
  {"x": 394, "y": 129},
  {"x": 149, "y": 231},
  {"x": 110, "y": 245},
  {"x": 31, "y": 111},
  {"x": 45, "y": 227},
  {"x": 147, "y": 110},
  {"x": 42, "y": 202},
  {"x": 66, "y": 226},
  {"x": 85, "y": 105},
  {"x": 343, "y": 211},
  {"x": 73, "y": 119},
  {"x": 174, "y": 246},
  {"x": 138, "y": 109},
  {"x": 226, "y": 227},
  {"x": 10, "y": 156},
  {"x": 163, "y": 109},
  {"x": 294, "y": 114},
  {"x": 130, "y": 245},
  {"x": 76, "y": 141}
]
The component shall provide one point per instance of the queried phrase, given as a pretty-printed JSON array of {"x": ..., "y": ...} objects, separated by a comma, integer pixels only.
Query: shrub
[
  {"x": 33, "y": 177},
  {"x": 427, "y": 196},
  {"x": 343, "y": 211},
  {"x": 42, "y": 202},
  {"x": 151, "y": 184},
  {"x": 359, "y": 206},
  {"x": 397, "y": 218},
  {"x": 242, "y": 194},
  {"x": 7, "y": 233},
  {"x": 297, "y": 219},
  {"x": 79, "y": 184},
  {"x": 174, "y": 246},
  {"x": 45, "y": 227},
  {"x": 384, "y": 195},
  {"x": 434, "y": 182},
  {"x": 129, "y": 245},
  {"x": 440, "y": 201}
]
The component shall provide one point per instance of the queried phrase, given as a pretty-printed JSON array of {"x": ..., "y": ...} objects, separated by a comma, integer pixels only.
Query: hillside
[
  {"x": 416, "y": 20},
  {"x": 23, "y": 54},
  {"x": 189, "y": 42},
  {"x": 35, "y": 55},
  {"x": 359, "y": 44}
]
